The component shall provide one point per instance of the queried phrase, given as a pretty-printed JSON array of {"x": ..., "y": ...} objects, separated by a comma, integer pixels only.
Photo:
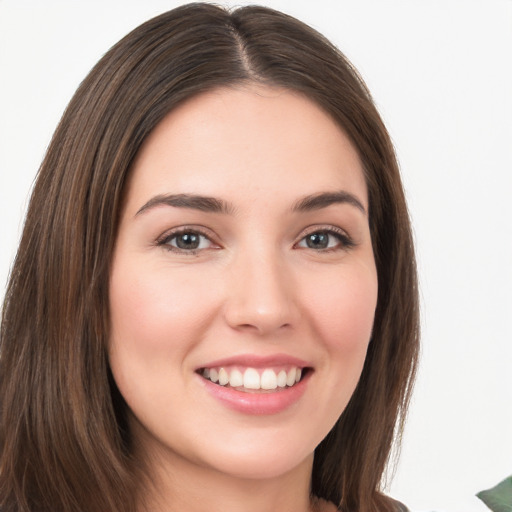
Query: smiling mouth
[{"x": 252, "y": 380}]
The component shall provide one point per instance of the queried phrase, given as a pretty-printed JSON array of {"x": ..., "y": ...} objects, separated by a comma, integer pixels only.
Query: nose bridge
[{"x": 260, "y": 294}]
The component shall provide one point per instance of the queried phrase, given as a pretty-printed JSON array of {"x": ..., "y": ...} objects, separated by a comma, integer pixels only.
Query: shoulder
[
  {"x": 320, "y": 505},
  {"x": 399, "y": 506}
]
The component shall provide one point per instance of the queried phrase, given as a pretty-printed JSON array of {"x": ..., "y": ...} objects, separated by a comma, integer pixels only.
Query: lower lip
[{"x": 257, "y": 403}]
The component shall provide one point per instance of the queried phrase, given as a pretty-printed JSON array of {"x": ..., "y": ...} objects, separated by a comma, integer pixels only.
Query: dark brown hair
[{"x": 64, "y": 441}]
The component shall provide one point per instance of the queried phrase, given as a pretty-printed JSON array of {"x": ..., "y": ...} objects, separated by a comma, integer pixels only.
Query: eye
[
  {"x": 326, "y": 239},
  {"x": 187, "y": 240}
]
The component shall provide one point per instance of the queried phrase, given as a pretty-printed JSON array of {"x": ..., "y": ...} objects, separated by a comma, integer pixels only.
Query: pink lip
[{"x": 257, "y": 403}]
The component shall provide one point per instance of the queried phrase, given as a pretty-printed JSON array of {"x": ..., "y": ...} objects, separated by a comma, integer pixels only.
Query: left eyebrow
[{"x": 325, "y": 199}]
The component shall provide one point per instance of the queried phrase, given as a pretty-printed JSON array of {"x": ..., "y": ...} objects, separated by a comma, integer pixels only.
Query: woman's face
[{"x": 243, "y": 257}]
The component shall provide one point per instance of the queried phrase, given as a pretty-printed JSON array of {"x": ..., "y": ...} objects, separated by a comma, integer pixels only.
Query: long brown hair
[{"x": 64, "y": 440}]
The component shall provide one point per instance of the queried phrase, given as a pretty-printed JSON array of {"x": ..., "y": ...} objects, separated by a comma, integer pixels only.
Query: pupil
[
  {"x": 187, "y": 241},
  {"x": 318, "y": 241}
]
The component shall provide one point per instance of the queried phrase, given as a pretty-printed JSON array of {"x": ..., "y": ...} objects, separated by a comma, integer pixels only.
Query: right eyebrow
[
  {"x": 192, "y": 201},
  {"x": 325, "y": 199}
]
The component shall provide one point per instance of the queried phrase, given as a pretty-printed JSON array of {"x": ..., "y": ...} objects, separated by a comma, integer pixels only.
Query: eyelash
[{"x": 344, "y": 241}]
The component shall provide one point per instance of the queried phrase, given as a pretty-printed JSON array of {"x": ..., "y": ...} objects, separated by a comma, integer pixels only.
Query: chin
[
  {"x": 260, "y": 456},
  {"x": 257, "y": 467}
]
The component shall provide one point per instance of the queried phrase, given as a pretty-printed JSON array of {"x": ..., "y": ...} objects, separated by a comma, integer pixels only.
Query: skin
[{"x": 253, "y": 286}]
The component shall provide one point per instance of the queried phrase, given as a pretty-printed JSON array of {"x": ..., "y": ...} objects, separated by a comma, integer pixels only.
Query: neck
[{"x": 179, "y": 485}]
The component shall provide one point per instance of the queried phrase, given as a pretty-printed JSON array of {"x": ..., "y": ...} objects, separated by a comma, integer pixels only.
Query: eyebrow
[
  {"x": 325, "y": 199},
  {"x": 215, "y": 205},
  {"x": 192, "y": 201}
]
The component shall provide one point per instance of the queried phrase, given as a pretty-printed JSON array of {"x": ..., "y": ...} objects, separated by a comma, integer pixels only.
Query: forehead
[{"x": 244, "y": 143}]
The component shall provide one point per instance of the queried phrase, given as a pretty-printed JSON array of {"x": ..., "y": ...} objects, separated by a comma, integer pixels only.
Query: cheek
[
  {"x": 147, "y": 305},
  {"x": 157, "y": 317},
  {"x": 155, "y": 320},
  {"x": 343, "y": 309},
  {"x": 343, "y": 318}
]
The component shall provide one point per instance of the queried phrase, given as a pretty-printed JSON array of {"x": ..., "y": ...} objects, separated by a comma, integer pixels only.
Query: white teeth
[
  {"x": 281, "y": 379},
  {"x": 251, "y": 378},
  {"x": 268, "y": 379},
  {"x": 214, "y": 375},
  {"x": 290, "y": 377},
  {"x": 236, "y": 379},
  {"x": 223, "y": 377}
]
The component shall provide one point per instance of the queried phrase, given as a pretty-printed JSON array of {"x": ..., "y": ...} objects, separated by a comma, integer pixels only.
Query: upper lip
[{"x": 257, "y": 361}]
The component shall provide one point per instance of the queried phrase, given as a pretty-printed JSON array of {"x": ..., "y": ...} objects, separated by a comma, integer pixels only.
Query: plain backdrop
[{"x": 441, "y": 74}]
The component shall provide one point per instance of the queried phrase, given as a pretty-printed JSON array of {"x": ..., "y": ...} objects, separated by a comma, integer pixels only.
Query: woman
[{"x": 214, "y": 300}]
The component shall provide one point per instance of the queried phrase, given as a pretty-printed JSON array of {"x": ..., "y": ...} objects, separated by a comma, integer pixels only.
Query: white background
[{"x": 441, "y": 74}]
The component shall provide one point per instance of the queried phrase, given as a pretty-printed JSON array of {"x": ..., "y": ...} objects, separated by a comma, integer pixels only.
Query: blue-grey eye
[
  {"x": 320, "y": 240},
  {"x": 188, "y": 241}
]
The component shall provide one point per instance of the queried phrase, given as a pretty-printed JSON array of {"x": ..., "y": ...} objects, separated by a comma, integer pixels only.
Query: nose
[{"x": 261, "y": 296}]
